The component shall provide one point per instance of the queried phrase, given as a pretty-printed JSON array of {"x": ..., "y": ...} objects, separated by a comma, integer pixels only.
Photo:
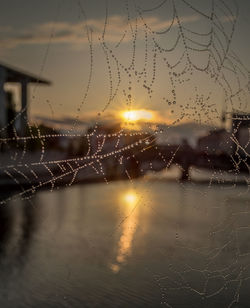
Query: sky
[{"x": 106, "y": 56}]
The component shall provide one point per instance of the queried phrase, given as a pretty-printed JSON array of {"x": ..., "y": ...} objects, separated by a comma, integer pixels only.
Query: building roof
[{"x": 15, "y": 75}]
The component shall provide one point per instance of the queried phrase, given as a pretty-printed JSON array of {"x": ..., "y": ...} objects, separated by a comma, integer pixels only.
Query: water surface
[{"x": 145, "y": 244}]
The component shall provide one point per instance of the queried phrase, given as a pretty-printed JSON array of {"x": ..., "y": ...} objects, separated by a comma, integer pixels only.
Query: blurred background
[{"x": 124, "y": 153}]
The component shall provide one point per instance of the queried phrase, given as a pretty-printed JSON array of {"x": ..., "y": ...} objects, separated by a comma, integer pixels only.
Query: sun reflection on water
[{"x": 130, "y": 200}]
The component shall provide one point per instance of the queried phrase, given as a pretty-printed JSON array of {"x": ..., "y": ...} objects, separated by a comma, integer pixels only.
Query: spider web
[{"x": 197, "y": 65}]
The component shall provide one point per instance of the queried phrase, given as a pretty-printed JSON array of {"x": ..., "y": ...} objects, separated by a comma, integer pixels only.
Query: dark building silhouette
[
  {"x": 240, "y": 130},
  {"x": 11, "y": 75}
]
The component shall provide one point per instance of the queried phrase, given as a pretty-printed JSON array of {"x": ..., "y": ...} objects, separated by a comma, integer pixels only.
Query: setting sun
[{"x": 136, "y": 115}]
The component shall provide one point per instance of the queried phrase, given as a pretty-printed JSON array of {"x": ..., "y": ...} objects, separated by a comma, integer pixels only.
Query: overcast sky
[{"x": 54, "y": 39}]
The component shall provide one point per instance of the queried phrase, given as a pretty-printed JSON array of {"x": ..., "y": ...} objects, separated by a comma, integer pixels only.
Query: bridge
[{"x": 158, "y": 158}]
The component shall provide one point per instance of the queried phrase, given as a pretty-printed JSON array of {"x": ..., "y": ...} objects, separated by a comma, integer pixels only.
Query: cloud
[
  {"x": 90, "y": 118},
  {"x": 229, "y": 19},
  {"x": 76, "y": 33},
  {"x": 58, "y": 121}
]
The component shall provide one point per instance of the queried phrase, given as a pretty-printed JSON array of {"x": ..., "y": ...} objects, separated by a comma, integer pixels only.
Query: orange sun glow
[{"x": 136, "y": 115}]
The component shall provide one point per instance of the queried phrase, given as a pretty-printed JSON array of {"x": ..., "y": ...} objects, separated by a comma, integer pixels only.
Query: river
[{"x": 143, "y": 244}]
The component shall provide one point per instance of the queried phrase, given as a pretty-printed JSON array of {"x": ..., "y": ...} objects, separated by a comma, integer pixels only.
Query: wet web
[{"x": 190, "y": 49}]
